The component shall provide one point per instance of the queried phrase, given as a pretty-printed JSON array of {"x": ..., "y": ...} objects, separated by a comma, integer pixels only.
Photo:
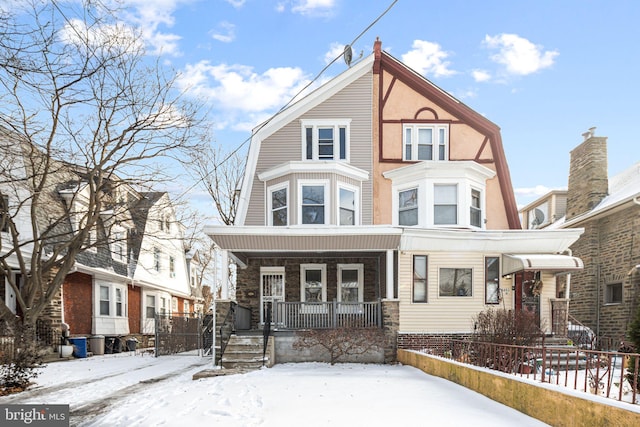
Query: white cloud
[
  {"x": 236, "y": 3},
  {"x": 120, "y": 35},
  {"x": 312, "y": 7},
  {"x": 226, "y": 34},
  {"x": 150, "y": 16},
  {"x": 239, "y": 94},
  {"x": 428, "y": 58},
  {"x": 538, "y": 190},
  {"x": 519, "y": 55},
  {"x": 481, "y": 75}
]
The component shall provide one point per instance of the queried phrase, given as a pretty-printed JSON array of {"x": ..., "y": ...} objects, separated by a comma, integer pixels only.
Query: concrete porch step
[{"x": 245, "y": 352}]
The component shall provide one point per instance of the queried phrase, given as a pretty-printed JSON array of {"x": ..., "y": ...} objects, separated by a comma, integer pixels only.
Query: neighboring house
[
  {"x": 545, "y": 211},
  {"x": 379, "y": 199},
  {"x": 603, "y": 296},
  {"x": 133, "y": 264},
  {"x": 195, "y": 269}
]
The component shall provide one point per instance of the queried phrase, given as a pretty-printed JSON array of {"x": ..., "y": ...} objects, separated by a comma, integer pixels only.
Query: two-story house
[
  {"x": 133, "y": 262},
  {"x": 380, "y": 199}
]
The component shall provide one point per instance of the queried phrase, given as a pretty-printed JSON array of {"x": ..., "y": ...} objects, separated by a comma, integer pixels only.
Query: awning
[{"x": 543, "y": 262}]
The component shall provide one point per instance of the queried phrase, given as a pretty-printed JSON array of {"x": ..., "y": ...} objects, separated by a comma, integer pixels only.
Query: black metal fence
[{"x": 178, "y": 333}]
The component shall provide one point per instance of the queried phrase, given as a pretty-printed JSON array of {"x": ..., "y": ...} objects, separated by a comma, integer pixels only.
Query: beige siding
[
  {"x": 456, "y": 314},
  {"x": 354, "y": 102}
]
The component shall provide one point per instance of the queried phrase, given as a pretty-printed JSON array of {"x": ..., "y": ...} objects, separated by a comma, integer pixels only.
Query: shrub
[
  {"x": 18, "y": 363},
  {"x": 507, "y": 327}
]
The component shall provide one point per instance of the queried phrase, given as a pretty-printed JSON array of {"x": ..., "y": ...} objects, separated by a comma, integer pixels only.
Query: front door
[
  {"x": 527, "y": 293},
  {"x": 271, "y": 289}
]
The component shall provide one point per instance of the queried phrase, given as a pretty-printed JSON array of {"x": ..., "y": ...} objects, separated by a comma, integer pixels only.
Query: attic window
[
  {"x": 425, "y": 142},
  {"x": 325, "y": 139}
]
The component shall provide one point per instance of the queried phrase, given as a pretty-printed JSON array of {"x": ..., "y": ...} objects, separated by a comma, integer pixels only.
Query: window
[
  {"x": 491, "y": 280},
  {"x": 419, "y": 278},
  {"x": 172, "y": 267},
  {"x": 455, "y": 282},
  {"x": 104, "y": 301},
  {"x": 167, "y": 224},
  {"x": 119, "y": 246},
  {"x": 408, "y": 207},
  {"x": 313, "y": 279},
  {"x": 445, "y": 204},
  {"x": 174, "y": 304},
  {"x": 475, "y": 209},
  {"x": 151, "y": 306},
  {"x": 187, "y": 308},
  {"x": 4, "y": 213},
  {"x": 325, "y": 139},
  {"x": 163, "y": 305},
  {"x": 613, "y": 293},
  {"x": 119, "y": 302},
  {"x": 350, "y": 282},
  {"x": 156, "y": 259},
  {"x": 313, "y": 204},
  {"x": 278, "y": 206},
  {"x": 347, "y": 212},
  {"x": 425, "y": 142}
]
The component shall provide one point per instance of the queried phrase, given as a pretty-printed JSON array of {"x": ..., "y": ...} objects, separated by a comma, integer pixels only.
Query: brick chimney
[{"x": 588, "y": 180}]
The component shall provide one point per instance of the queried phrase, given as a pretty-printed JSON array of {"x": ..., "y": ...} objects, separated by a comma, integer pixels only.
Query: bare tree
[
  {"x": 85, "y": 115},
  {"x": 221, "y": 176},
  {"x": 341, "y": 342}
]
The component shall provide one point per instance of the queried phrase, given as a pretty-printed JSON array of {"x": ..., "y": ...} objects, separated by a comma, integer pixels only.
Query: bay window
[
  {"x": 347, "y": 209},
  {"x": 278, "y": 206},
  {"x": 445, "y": 204},
  {"x": 313, "y": 203},
  {"x": 408, "y": 207},
  {"x": 475, "y": 209}
]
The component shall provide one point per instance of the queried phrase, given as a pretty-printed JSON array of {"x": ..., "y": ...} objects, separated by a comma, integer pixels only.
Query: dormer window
[
  {"x": 325, "y": 139},
  {"x": 425, "y": 142}
]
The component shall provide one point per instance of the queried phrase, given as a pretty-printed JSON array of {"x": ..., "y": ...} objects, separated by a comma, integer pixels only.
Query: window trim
[
  {"x": 147, "y": 306},
  {"x": 416, "y": 208},
  {"x": 119, "y": 239},
  {"x": 435, "y": 143},
  {"x": 360, "y": 269},
  {"x": 323, "y": 278},
  {"x": 498, "y": 296},
  {"x": 440, "y": 278},
  {"x": 314, "y": 183},
  {"x": 356, "y": 203},
  {"x": 270, "y": 190},
  {"x": 426, "y": 280},
  {"x": 112, "y": 301},
  {"x": 172, "y": 267},
  {"x": 315, "y": 124},
  {"x": 479, "y": 209}
]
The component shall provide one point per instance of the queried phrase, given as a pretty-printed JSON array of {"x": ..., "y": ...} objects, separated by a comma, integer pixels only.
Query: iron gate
[{"x": 180, "y": 333}]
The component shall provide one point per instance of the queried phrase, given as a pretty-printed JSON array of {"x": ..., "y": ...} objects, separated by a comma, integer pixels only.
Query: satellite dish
[{"x": 347, "y": 55}]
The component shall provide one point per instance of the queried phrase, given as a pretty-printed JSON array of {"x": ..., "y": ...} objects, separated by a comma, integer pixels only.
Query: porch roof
[
  {"x": 545, "y": 262},
  {"x": 254, "y": 239}
]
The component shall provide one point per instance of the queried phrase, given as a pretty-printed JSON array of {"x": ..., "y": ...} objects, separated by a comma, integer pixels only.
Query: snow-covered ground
[{"x": 140, "y": 390}]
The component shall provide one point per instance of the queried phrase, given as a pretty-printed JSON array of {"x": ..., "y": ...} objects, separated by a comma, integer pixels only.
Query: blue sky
[{"x": 543, "y": 71}]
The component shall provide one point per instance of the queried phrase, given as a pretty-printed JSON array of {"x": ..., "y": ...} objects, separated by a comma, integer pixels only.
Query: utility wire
[{"x": 285, "y": 106}]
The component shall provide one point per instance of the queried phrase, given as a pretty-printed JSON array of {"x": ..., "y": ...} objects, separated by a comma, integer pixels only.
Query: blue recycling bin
[{"x": 79, "y": 346}]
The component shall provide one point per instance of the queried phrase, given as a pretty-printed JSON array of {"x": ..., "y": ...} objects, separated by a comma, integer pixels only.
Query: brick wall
[
  {"x": 436, "y": 343},
  {"x": 135, "y": 307},
  {"x": 609, "y": 248},
  {"x": 78, "y": 301}
]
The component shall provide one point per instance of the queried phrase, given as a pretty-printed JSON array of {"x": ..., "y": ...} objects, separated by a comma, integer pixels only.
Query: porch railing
[{"x": 326, "y": 315}]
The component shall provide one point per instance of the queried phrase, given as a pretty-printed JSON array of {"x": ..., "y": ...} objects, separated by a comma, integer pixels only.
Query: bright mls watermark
[{"x": 34, "y": 415}]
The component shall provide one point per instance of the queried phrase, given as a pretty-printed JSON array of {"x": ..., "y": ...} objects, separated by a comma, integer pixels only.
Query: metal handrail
[
  {"x": 228, "y": 324},
  {"x": 266, "y": 331}
]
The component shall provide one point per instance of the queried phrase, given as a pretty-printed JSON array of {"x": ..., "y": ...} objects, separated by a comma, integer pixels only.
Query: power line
[{"x": 285, "y": 106}]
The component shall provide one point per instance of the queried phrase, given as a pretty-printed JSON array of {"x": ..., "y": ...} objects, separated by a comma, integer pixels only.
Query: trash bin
[
  {"x": 111, "y": 345},
  {"x": 131, "y": 344},
  {"x": 79, "y": 346},
  {"x": 96, "y": 344}
]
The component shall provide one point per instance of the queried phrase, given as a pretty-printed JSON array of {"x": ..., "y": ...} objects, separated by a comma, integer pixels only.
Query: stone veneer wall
[
  {"x": 390, "y": 324},
  {"x": 609, "y": 248},
  {"x": 588, "y": 176}
]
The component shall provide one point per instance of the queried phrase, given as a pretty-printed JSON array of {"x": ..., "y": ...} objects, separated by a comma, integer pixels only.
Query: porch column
[
  {"x": 224, "y": 275},
  {"x": 390, "y": 274}
]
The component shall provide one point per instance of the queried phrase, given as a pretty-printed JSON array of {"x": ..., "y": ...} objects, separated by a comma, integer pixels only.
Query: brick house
[
  {"x": 603, "y": 296},
  {"x": 381, "y": 199},
  {"x": 133, "y": 263}
]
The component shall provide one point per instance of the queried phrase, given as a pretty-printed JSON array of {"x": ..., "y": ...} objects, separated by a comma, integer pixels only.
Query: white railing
[{"x": 326, "y": 315}]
